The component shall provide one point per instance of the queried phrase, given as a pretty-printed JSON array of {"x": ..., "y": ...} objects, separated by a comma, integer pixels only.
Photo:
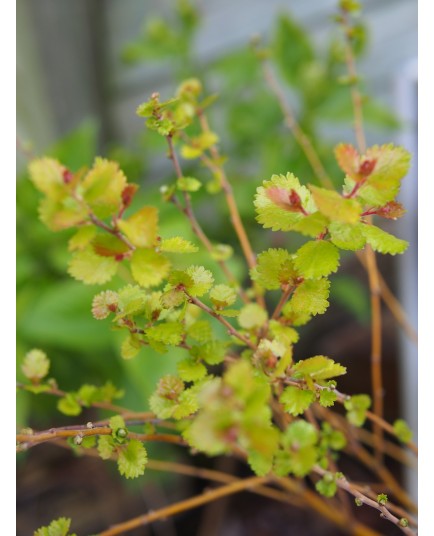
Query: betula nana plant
[{"x": 238, "y": 391}]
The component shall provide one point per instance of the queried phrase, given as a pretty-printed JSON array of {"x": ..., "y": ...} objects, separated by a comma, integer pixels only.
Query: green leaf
[
  {"x": 293, "y": 317},
  {"x": 148, "y": 267},
  {"x": 312, "y": 225},
  {"x": 82, "y": 238},
  {"x": 222, "y": 296},
  {"x": 402, "y": 431},
  {"x": 335, "y": 207},
  {"x": 299, "y": 454},
  {"x": 47, "y": 176},
  {"x": 116, "y": 423},
  {"x": 212, "y": 352},
  {"x": 292, "y": 49},
  {"x": 260, "y": 464},
  {"x": 391, "y": 166},
  {"x": 58, "y": 527},
  {"x": 200, "y": 331},
  {"x": 296, "y": 401},
  {"x": 172, "y": 400},
  {"x": 356, "y": 408},
  {"x": 381, "y": 241},
  {"x": 188, "y": 184},
  {"x": 346, "y": 236},
  {"x": 130, "y": 346},
  {"x": 269, "y": 206},
  {"x": 327, "y": 398},
  {"x": 132, "y": 300},
  {"x": 318, "y": 367},
  {"x": 274, "y": 268},
  {"x": 106, "y": 245},
  {"x": 177, "y": 245},
  {"x": 62, "y": 213},
  {"x": 348, "y": 159},
  {"x": 172, "y": 298},
  {"x": 35, "y": 365},
  {"x": 170, "y": 333},
  {"x": 190, "y": 370},
  {"x": 90, "y": 268},
  {"x": 102, "y": 187},
  {"x": 132, "y": 459},
  {"x": 300, "y": 433},
  {"x": 284, "y": 334},
  {"x": 252, "y": 316},
  {"x": 327, "y": 486},
  {"x": 382, "y": 499},
  {"x": 199, "y": 144},
  {"x": 317, "y": 259},
  {"x": 68, "y": 405},
  {"x": 106, "y": 447},
  {"x": 141, "y": 228},
  {"x": 332, "y": 439},
  {"x": 222, "y": 252},
  {"x": 310, "y": 297},
  {"x": 196, "y": 280}
]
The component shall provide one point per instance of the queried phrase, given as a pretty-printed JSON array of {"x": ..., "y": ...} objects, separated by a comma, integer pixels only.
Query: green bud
[
  {"x": 403, "y": 522},
  {"x": 382, "y": 499},
  {"x": 358, "y": 501},
  {"x": 121, "y": 432}
]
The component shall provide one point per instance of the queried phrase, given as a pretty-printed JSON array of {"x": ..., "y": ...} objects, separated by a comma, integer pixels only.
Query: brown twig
[
  {"x": 222, "y": 320},
  {"x": 324, "y": 508},
  {"x": 291, "y": 122},
  {"x": 371, "y": 262},
  {"x": 36, "y": 438},
  {"x": 195, "y": 226},
  {"x": 235, "y": 217},
  {"x": 384, "y": 512},
  {"x": 188, "y": 504},
  {"x": 283, "y": 299},
  {"x": 392, "y": 302}
]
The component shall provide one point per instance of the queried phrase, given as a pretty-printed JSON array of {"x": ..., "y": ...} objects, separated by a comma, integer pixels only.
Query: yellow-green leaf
[
  {"x": 335, "y": 207},
  {"x": 90, "y": 268},
  {"x": 148, "y": 267},
  {"x": 141, "y": 228}
]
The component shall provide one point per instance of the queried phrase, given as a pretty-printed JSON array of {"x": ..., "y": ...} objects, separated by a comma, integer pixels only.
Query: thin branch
[
  {"x": 112, "y": 230},
  {"x": 283, "y": 299},
  {"x": 342, "y": 397},
  {"x": 235, "y": 217},
  {"x": 302, "y": 139},
  {"x": 100, "y": 405},
  {"x": 355, "y": 93},
  {"x": 371, "y": 262},
  {"x": 365, "y": 436},
  {"x": 36, "y": 438},
  {"x": 188, "y": 504},
  {"x": 222, "y": 320},
  {"x": 324, "y": 508},
  {"x": 384, "y": 512},
  {"x": 392, "y": 302},
  {"x": 196, "y": 228},
  {"x": 366, "y": 490}
]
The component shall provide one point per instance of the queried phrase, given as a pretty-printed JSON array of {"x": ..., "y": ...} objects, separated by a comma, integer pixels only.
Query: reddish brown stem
[{"x": 222, "y": 320}]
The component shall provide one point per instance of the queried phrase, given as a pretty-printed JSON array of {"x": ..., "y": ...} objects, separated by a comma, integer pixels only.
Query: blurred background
[{"x": 83, "y": 67}]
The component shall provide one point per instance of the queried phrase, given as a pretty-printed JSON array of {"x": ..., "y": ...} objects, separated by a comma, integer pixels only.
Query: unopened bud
[{"x": 367, "y": 167}]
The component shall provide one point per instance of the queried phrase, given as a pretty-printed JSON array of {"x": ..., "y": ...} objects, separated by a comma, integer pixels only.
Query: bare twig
[{"x": 188, "y": 504}]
